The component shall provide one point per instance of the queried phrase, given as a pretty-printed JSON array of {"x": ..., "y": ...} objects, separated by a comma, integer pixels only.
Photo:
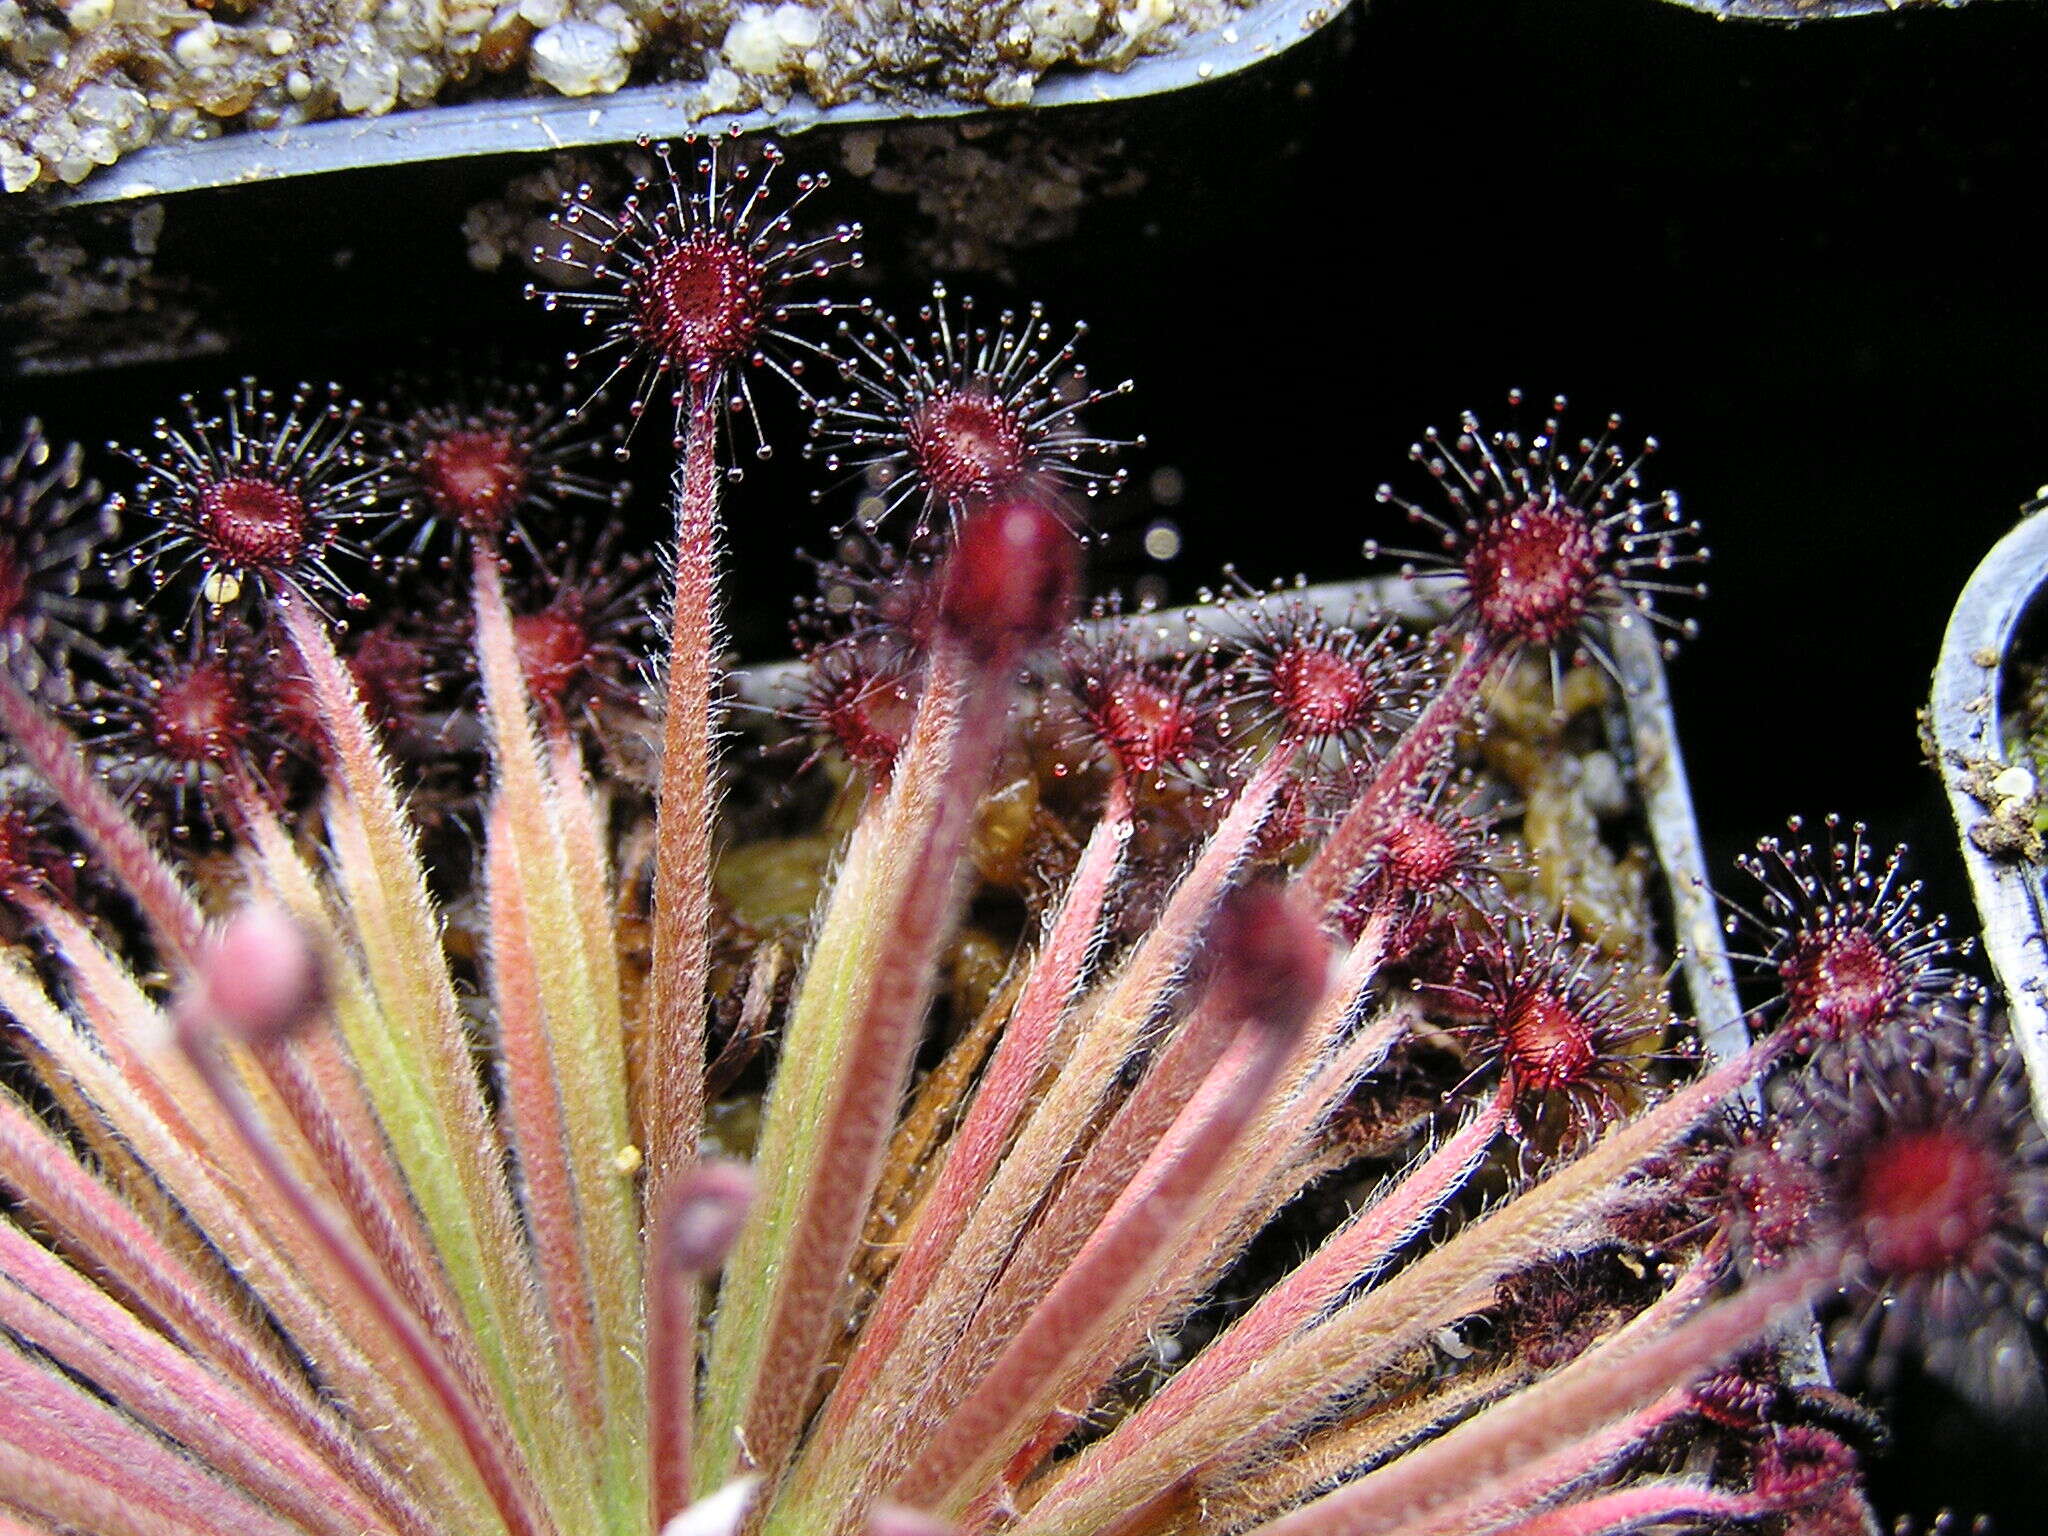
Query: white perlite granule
[{"x": 279, "y": 62}]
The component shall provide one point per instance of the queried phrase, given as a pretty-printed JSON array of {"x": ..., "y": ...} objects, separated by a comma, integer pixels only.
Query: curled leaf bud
[
  {"x": 261, "y": 978},
  {"x": 704, "y": 1215},
  {"x": 1272, "y": 958},
  {"x": 1010, "y": 581}
]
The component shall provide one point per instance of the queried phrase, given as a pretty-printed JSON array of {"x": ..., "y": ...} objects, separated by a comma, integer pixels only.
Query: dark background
[{"x": 1808, "y": 260}]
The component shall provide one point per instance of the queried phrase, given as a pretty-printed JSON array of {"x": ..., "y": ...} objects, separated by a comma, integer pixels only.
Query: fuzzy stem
[
  {"x": 1351, "y": 1254},
  {"x": 45, "y": 1302},
  {"x": 1013, "y": 1073},
  {"x": 1243, "y": 1199},
  {"x": 1232, "y": 1496},
  {"x": 671, "y": 1386},
  {"x": 1528, "y": 1485},
  {"x": 533, "y": 1119},
  {"x": 126, "y": 1024},
  {"x": 927, "y": 1368},
  {"x": 937, "y": 787},
  {"x": 1628, "y": 1509},
  {"x": 686, "y": 809},
  {"x": 918, "y": 1146},
  {"x": 320, "y": 1078},
  {"x": 261, "y": 1241},
  {"x": 319, "y": 1085},
  {"x": 489, "y": 1450},
  {"x": 1578, "y": 1402},
  {"x": 65, "y": 1198},
  {"x": 1289, "y": 1149},
  {"x": 814, "y": 1040},
  {"x": 669, "y": 1107},
  {"x": 418, "y": 1066},
  {"x": 78, "y": 1436},
  {"x": 319, "y": 1082},
  {"x": 1147, "y": 1137},
  {"x": 119, "y": 1165},
  {"x": 1292, "y": 1383},
  {"x": 1406, "y": 768},
  {"x": 74, "y": 1501},
  {"x": 61, "y": 761},
  {"x": 316, "y": 1086},
  {"x": 1144, "y": 1136},
  {"x": 583, "y": 1051},
  {"x": 1120, "y": 1151},
  {"x": 584, "y": 838},
  {"x": 1114, "y": 1268}
]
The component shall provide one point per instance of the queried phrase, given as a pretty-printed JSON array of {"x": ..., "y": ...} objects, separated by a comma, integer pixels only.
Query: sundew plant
[{"x": 1103, "y": 1073}]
